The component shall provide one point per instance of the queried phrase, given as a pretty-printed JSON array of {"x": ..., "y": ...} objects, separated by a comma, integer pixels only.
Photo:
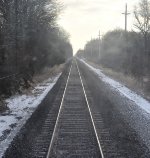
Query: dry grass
[
  {"x": 130, "y": 82},
  {"x": 44, "y": 75},
  {"x": 3, "y": 105},
  {"x": 47, "y": 73},
  {"x": 38, "y": 78}
]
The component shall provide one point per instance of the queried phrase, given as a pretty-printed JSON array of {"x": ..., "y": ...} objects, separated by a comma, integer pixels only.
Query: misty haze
[{"x": 74, "y": 79}]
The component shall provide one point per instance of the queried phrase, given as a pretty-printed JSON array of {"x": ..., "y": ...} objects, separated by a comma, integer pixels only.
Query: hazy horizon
[{"x": 83, "y": 19}]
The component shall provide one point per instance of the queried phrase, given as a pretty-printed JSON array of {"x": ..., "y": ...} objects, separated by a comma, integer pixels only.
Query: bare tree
[
  {"x": 30, "y": 38},
  {"x": 142, "y": 16}
]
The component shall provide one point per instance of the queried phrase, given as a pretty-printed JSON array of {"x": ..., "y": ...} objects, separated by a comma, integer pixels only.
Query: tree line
[
  {"x": 127, "y": 52},
  {"x": 30, "y": 39}
]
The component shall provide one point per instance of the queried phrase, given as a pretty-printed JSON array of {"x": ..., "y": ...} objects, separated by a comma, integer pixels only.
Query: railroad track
[
  {"x": 67, "y": 128},
  {"x": 71, "y": 127},
  {"x": 75, "y": 134}
]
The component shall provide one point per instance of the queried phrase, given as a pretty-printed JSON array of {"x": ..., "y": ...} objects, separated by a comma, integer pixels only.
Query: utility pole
[
  {"x": 125, "y": 34},
  {"x": 126, "y": 16},
  {"x": 99, "y": 36},
  {"x": 91, "y": 47},
  {"x": 84, "y": 53}
]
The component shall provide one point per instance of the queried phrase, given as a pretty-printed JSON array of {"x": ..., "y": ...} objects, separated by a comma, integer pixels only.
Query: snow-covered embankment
[
  {"x": 20, "y": 109},
  {"x": 134, "y": 108}
]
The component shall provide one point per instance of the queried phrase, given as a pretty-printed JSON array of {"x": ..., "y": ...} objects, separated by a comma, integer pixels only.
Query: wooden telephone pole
[
  {"x": 91, "y": 47},
  {"x": 99, "y": 49},
  {"x": 126, "y": 16}
]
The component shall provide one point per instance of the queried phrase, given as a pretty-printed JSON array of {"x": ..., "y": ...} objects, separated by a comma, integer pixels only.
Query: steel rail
[
  {"x": 53, "y": 135},
  {"x": 98, "y": 141},
  {"x": 60, "y": 109}
]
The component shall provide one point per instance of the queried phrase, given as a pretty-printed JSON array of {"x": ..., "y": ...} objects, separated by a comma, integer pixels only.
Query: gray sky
[{"x": 84, "y": 18}]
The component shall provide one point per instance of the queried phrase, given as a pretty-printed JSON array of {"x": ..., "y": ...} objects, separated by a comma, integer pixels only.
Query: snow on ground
[
  {"x": 20, "y": 109},
  {"x": 123, "y": 90}
]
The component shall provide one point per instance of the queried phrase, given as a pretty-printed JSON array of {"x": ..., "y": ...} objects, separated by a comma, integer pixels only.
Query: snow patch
[
  {"x": 20, "y": 109},
  {"x": 123, "y": 90}
]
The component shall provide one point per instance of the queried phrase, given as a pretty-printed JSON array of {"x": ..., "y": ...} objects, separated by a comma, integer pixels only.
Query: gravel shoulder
[
  {"x": 134, "y": 116},
  {"x": 126, "y": 80}
]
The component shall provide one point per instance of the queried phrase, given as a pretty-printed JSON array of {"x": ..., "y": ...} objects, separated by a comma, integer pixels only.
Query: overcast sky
[{"x": 84, "y": 18}]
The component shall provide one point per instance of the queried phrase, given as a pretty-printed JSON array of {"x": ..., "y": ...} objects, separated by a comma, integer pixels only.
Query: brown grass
[
  {"x": 3, "y": 106},
  {"x": 38, "y": 78},
  {"x": 130, "y": 82},
  {"x": 47, "y": 73}
]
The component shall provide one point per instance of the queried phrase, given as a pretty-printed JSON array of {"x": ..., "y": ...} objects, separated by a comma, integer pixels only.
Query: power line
[{"x": 9, "y": 76}]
